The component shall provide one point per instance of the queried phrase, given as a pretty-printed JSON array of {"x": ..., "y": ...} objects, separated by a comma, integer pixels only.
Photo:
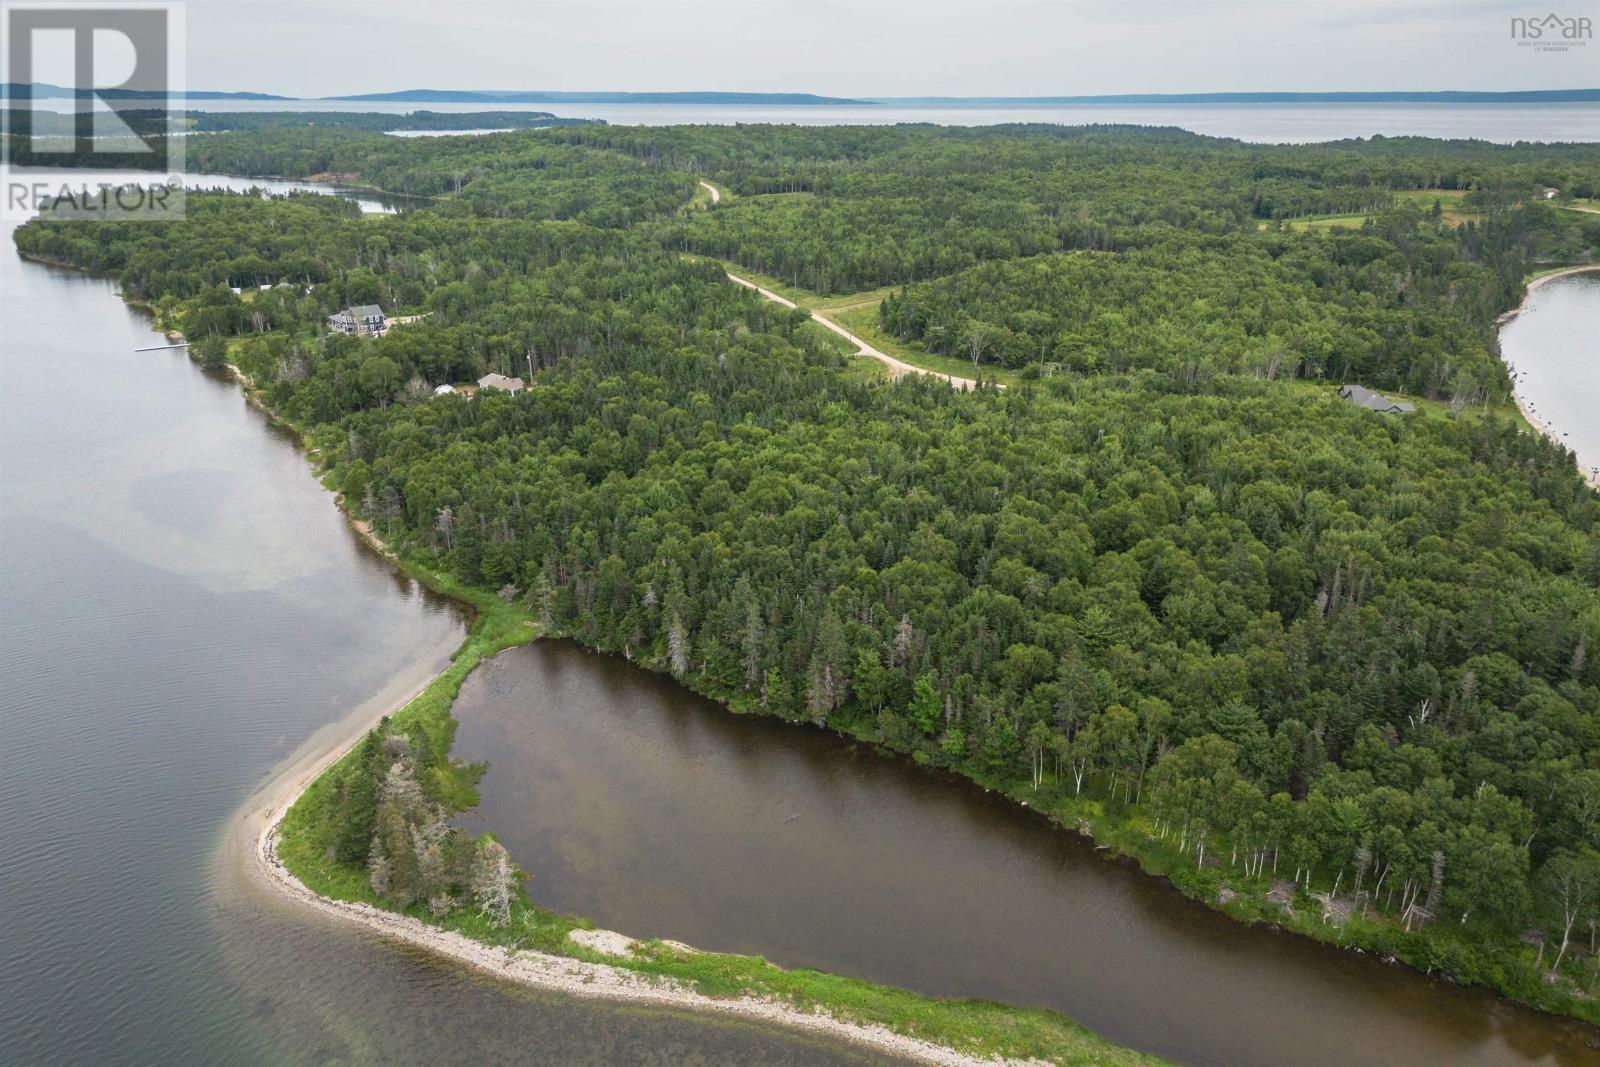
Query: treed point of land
[{"x": 1325, "y": 667}]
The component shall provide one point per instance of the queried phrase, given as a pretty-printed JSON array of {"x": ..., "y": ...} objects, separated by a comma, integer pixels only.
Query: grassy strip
[{"x": 980, "y": 1027}]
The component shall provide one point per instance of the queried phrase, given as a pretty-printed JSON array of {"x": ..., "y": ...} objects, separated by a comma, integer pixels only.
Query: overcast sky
[{"x": 877, "y": 47}]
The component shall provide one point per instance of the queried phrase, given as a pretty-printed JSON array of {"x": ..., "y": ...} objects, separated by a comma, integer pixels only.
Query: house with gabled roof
[
  {"x": 1362, "y": 397},
  {"x": 365, "y": 320}
]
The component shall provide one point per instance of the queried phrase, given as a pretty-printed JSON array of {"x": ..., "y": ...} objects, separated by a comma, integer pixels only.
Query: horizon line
[{"x": 1574, "y": 95}]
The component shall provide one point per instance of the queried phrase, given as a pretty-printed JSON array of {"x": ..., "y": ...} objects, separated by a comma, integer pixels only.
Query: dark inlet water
[
  {"x": 181, "y": 609},
  {"x": 660, "y": 814}
]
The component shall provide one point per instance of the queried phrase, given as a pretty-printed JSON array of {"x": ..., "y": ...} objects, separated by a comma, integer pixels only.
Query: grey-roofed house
[
  {"x": 1362, "y": 397},
  {"x": 500, "y": 382},
  {"x": 363, "y": 319}
]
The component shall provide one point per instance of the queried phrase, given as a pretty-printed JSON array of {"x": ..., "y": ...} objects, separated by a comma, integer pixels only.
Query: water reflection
[{"x": 660, "y": 814}]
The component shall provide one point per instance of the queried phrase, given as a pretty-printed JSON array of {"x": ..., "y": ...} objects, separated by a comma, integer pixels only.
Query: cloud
[{"x": 866, "y": 47}]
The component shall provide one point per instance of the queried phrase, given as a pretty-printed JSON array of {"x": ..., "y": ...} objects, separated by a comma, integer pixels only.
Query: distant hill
[
  {"x": 46, "y": 91},
  {"x": 239, "y": 121},
  {"x": 503, "y": 97},
  {"x": 463, "y": 96},
  {"x": 1532, "y": 96}
]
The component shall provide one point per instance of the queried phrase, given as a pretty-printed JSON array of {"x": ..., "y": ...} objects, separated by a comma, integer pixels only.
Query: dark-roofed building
[
  {"x": 365, "y": 319},
  {"x": 1362, "y": 397}
]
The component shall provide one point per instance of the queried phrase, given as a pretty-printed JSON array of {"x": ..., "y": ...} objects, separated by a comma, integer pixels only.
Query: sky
[{"x": 878, "y": 47}]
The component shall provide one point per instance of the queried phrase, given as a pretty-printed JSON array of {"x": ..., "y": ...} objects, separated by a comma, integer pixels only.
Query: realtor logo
[
  {"x": 1552, "y": 33},
  {"x": 90, "y": 86}
]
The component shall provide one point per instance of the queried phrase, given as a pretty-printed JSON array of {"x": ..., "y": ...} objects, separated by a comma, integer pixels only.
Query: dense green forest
[
  {"x": 1403, "y": 303},
  {"x": 1335, "y": 661}
]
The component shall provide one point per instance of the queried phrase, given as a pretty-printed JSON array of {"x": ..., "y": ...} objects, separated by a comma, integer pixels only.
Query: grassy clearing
[
  {"x": 1449, "y": 205},
  {"x": 1505, "y": 409},
  {"x": 834, "y": 305},
  {"x": 1324, "y": 223},
  {"x": 1449, "y": 201}
]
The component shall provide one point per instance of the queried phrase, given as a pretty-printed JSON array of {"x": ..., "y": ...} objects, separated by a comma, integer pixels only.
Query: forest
[
  {"x": 1401, "y": 304},
  {"x": 1338, "y": 664}
]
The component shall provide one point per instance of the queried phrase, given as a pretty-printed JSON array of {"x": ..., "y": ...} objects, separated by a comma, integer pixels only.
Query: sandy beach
[{"x": 542, "y": 970}]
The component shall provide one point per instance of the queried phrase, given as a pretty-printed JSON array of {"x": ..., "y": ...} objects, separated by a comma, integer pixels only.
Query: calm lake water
[
  {"x": 181, "y": 609},
  {"x": 1272, "y": 123},
  {"x": 1553, "y": 346},
  {"x": 660, "y": 814}
]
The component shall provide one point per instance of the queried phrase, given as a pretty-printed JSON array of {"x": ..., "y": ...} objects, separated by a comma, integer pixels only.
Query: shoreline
[
  {"x": 1507, "y": 316},
  {"x": 1591, "y": 477},
  {"x": 542, "y": 970},
  {"x": 525, "y": 967},
  {"x": 270, "y": 804}
]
